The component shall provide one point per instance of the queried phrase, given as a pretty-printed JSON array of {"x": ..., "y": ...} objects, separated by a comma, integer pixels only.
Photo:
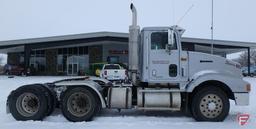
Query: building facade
[
  {"x": 73, "y": 54},
  {"x": 70, "y": 60}
]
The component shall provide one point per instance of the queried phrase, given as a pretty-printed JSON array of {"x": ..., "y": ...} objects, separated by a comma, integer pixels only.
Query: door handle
[{"x": 182, "y": 72}]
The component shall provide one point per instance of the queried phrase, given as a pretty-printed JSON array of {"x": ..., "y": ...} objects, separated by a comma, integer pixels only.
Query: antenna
[
  {"x": 212, "y": 30},
  {"x": 185, "y": 14},
  {"x": 173, "y": 11}
]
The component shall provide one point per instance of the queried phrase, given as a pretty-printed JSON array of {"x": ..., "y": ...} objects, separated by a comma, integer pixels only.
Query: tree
[
  {"x": 253, "y": 56},
  {"x": 243, "y": 58}
]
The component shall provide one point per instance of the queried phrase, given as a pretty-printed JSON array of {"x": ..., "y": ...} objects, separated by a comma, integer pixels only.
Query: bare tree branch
[{"x": 243, "y": 59}]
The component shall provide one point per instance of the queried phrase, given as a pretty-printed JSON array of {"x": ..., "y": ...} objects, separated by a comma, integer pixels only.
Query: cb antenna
[
  {"x": 173, "y": 11},
  {"x": 185, "y": 14}
]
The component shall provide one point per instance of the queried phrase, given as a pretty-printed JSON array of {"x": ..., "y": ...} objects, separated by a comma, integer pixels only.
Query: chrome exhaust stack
[{"x": 134, "y": 32}]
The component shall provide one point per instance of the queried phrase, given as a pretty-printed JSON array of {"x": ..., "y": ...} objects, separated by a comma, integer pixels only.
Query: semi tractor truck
[{"x": 162, "y": 77}]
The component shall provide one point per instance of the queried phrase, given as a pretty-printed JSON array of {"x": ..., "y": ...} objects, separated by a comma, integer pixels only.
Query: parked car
[
  {"x": 14, "y": 70},
  {"x": 113, "y": 72}
]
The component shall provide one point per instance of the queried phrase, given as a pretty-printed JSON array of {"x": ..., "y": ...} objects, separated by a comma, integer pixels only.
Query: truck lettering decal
[{"x": 160, "y": 62}]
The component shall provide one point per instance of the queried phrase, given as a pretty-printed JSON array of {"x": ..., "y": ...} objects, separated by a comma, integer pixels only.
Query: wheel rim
[
  {"x": 27, "y": 104},
  {"x": 211, "y": 106},
  {"x": 79, "y": 104}
]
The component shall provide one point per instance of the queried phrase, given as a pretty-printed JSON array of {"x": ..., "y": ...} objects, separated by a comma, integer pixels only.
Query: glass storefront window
[
  {"x": 113, "y": 59},
  {"x": 37, "y": 61},
  {"x": 81, "y": 50},
  {"x": 59, "y": 63},
  {"x": 73, "y": 61},
  {"x": 70, "y": 51},
  {"x": 75, "y": 51},
  {"x": 65, "y": 51}
]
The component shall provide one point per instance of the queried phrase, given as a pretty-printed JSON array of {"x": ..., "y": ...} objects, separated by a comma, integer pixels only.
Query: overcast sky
[{"x": 19, "y": 19}]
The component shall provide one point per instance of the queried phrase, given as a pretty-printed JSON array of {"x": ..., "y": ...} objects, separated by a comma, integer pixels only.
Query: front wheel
[
  {"x": 210, "y": 104},
  {"x": 78, "y": 104}
]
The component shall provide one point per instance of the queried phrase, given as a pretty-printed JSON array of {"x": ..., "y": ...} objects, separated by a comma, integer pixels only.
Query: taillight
[{"x": 105, "y": 72}]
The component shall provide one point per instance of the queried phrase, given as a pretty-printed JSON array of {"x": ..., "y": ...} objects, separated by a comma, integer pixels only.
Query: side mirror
[{"x": 171, "y": 41}]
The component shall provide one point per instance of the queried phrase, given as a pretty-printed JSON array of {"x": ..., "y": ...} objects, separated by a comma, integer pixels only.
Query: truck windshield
[{"x": 112, "y": 67}]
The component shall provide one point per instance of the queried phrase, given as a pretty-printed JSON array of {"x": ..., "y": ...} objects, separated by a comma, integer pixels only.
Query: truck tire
[
  {"x": 28, "y": 103},
  {"x": 51, "y": 98},
  {"x": 210, "y": 104},
  {"x": 78, "y": 104}
]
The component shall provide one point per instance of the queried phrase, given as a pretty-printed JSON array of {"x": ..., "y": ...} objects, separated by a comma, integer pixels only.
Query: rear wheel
[
  {"x": 28, "y": 103},
  {"x": 210, "y": 104},
  {"x": 51, "y": 98},
  {"x": 79, "y": 104}
]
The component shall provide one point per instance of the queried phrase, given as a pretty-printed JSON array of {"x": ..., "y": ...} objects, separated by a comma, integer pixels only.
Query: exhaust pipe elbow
[
  {"x": 134, "y": 14},
  {"x": 131, "y": 6}
]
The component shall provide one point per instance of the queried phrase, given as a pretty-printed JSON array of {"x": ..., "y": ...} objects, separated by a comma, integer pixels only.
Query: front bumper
[{"x": 242, "y": 99}]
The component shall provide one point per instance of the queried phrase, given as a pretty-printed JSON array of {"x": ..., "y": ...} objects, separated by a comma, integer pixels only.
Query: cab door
[{"x": 163, "y": 64}]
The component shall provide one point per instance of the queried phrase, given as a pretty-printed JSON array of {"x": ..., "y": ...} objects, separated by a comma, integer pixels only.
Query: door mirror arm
[{"x": 169, "y": 46}]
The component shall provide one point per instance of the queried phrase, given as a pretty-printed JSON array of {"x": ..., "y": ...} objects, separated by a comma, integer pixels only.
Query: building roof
[
  {"x": 251, "y": 45},
  {"x": 220, "y": 42},
  {"x": 63, "y": 37}
]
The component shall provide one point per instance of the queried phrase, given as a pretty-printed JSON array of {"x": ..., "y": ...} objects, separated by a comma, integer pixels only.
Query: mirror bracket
[{"x": 169, "y": 46}]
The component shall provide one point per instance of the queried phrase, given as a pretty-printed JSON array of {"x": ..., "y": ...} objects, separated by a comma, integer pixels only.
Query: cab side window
[{"x": 159, "y": 40}]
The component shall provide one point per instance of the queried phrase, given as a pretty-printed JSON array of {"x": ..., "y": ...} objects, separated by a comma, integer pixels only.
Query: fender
[
  {"x": 235, "y": 83},
  {"x": 89, "y": 84}
]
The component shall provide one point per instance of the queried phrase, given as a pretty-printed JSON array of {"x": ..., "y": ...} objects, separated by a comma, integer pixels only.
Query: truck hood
[{"x": 200, "y": 62}]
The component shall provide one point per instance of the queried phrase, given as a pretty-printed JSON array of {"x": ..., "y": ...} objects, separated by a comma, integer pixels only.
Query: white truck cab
[{"x": 162, "y": 76}]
